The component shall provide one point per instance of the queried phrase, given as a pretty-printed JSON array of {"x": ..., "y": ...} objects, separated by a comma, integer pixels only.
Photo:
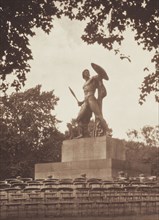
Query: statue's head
[{"x": 86, "y": 74}]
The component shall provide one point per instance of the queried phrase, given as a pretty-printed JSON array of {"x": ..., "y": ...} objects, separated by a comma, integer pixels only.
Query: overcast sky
[{"x": 60, "y": 58}]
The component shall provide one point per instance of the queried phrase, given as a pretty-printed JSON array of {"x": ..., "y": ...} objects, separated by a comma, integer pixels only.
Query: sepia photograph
[{"x": 79, "y": 110}]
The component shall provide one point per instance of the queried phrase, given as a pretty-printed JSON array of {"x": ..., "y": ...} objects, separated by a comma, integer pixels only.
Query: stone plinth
[
  {"x": 101, "y": 168},
  {"x": 99, "y": 157},
  {"x": 93, "y": 149}
]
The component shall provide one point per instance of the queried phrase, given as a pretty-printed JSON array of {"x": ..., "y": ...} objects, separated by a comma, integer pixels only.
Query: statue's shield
[{"x": 100, "y": 71}]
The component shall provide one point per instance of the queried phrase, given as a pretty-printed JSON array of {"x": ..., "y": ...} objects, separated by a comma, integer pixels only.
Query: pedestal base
[
  {"x": 100, "y": 157},
  {"x": 92, "y": 149},
  {"x": 101, "y": 168}
]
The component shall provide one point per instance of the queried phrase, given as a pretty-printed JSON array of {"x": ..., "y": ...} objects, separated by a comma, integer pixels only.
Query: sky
[{"x": 60, "y": 58}]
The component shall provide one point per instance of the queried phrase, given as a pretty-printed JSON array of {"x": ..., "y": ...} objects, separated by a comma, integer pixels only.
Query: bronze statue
[{"x": 91, "y": 104}]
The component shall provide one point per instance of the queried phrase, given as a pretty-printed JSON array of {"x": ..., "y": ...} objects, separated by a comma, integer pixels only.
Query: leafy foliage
[
  {"x": 106, "y": 22},
  {"x": 148, "y": 135},
  {"x": 18, "y": 22},
  {"x": 29, "y": 134},
  {"x": 150, "y": 84},
  {"x": 139, "y": 152},
  {"x": 143, "y": 146},
  {"x": 115, "y": 16}
]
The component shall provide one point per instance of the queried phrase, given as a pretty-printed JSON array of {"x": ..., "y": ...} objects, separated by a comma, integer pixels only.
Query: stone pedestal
[
  {"x": 97, "y": 157},
  {"x": 92, "y": 149}
]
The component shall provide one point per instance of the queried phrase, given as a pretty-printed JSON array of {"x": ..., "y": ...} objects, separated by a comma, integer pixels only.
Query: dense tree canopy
[
  {"x": 143, "y": 146},
  {"x": 28, "y": 131},
  {"x": 106, "y": 22},
  {"x": 19, "y": 18},
  {"x": 138, "y": 152}
]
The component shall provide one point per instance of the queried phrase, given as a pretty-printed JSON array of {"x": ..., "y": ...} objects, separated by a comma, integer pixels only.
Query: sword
[{"x": 73, "y": 94}]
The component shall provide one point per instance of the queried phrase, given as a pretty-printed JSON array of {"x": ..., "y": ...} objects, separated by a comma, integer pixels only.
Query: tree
[
  {"x": 28, "y": 131},
  {"x": 18, "y": 22},
  {"x": 143, "y": 146},
  {"x": 138, "y": 152},
  {"x": 147, "y": 135},
  {"x": 106, "y": 23}
]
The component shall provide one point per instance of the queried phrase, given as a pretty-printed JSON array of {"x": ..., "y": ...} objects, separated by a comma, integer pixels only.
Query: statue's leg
[
  {"x": 98, "y": 114},
  {"x": 83, "y": 130},
  {"x": 96, "y": 127},
  {"x": 82, "y": 113},
  {"x": 80, "y": 130},
  {"x": 83, "y": 120}
]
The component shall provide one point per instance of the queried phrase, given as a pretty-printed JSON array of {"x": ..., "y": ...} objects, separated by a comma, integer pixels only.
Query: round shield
[{"x": 100, "y": 71}]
